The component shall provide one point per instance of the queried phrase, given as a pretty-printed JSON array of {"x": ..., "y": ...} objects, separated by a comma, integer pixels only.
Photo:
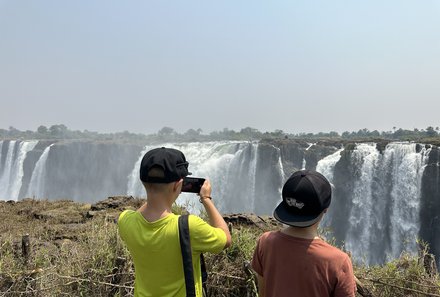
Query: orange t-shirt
[{"x": 300, "y": 267}]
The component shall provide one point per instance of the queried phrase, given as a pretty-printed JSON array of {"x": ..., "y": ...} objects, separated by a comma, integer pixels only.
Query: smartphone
[{"x": 192, "y": 184}]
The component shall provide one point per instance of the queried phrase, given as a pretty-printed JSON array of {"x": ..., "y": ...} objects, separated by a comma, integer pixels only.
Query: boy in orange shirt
[{"x": 295, "y": 261}]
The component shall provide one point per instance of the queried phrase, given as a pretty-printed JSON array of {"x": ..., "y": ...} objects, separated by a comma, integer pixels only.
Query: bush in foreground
[{"x": 75, "y": 250}]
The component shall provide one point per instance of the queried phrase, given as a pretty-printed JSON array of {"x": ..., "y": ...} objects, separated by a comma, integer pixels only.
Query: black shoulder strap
[{"x": 185, "y": 246}]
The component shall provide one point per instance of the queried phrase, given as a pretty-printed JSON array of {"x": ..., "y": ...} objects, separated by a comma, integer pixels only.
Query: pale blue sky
[{"x": 298, "y": 66}]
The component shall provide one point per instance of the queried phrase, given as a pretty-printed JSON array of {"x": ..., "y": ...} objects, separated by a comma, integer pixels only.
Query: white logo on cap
[{"x": 292, "y": 202}]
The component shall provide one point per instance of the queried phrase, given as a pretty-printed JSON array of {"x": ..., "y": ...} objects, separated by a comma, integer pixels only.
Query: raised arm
[{"x": 215, "y": 218}]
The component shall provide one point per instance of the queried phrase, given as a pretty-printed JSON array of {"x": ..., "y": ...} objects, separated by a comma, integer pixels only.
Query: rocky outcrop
[
  {"x": 264, "y": 223},
  {"x": 430, "y": 203}
]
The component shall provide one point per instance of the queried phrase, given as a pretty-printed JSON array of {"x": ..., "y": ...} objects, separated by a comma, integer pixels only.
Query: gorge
[{"x": 385, "y": 194}]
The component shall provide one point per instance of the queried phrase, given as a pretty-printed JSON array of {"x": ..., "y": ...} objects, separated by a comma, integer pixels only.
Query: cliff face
[
  {"x": 89, "y": 171},
  {"x": 430, "y": 203},
  {"x": 384, "y": 195}
]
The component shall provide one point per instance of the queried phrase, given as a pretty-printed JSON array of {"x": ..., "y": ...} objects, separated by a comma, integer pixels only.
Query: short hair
[{"x": 156, "y": 171}]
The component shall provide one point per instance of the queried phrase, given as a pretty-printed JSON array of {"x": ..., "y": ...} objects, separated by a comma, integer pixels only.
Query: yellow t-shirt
[{"x": 155, "y": 249}]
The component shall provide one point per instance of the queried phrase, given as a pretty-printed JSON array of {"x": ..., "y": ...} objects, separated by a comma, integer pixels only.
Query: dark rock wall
[
  {"x": 3, "y": 153},
  {"x": 343, "y": 180},
  {"x": 430, "y": 203},
  {"x": 89, "y": 171},
  {"x": 268, "y": 179}
]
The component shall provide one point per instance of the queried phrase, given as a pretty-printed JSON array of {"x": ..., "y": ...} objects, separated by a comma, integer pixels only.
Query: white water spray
[
  {"x": 223, "y": 163},
  {"x": 36, "y": 184},
  {"x": 304, "y": 159},
  {"x": 326, "y": 165},
  {"x": 407, "y": 167},
  {"x": 11, "y": 181},
  {"x": 366, "y": 158}
]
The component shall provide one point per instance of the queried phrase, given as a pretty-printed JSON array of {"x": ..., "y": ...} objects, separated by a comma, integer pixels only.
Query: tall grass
[{"x": 88, "y": 258}]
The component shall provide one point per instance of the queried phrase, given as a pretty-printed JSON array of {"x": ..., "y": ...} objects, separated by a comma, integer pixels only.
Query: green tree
[
  {"x": 250, "y": 132},
  {"x": 14, "y": 132},
  {"x": 58, "y": 131},
  {"x": 166, "y": 131},
  {"x": 191, "y": 133},
  {"x": 430, "y": 132},
  {"x": 42, "y": 130}
]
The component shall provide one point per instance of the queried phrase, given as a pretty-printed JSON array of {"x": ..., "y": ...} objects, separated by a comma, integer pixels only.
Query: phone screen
[{"x": 192, "y": 184}]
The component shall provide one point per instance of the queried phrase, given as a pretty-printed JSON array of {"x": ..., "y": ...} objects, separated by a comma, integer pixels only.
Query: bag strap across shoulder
[{"x": 185, "y": 246}]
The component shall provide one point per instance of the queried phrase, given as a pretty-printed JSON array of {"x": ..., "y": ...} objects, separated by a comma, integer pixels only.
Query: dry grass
[{"x": 75, "y": 250}]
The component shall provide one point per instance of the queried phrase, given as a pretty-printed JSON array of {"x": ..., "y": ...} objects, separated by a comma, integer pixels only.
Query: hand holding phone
[{"x": 192, "y": 184}]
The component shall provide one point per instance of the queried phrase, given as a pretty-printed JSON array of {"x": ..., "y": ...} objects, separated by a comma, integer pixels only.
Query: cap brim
[{"x": 282, "y": 215}]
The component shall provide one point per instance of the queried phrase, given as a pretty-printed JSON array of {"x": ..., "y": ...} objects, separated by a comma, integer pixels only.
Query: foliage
[
  {"x": 406, "y": 276},
  {"x": 84, "y": 256},
  {"x": 168, "y": 134}
]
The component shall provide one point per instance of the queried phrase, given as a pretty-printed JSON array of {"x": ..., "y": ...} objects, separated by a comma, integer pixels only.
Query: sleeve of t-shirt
[
  {"x": 256, "y": 262},
  {"x": 122, "y": 222},
  {"x": 204, "y": 237},
  {"x": 346, "y": 286}
]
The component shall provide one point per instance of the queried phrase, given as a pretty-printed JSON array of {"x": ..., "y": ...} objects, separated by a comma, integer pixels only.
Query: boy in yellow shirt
[{"x": 151, "y": 233}]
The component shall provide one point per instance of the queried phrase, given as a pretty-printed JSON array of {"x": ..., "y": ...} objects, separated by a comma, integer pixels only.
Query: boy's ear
[{"x": 178, "y": 185}]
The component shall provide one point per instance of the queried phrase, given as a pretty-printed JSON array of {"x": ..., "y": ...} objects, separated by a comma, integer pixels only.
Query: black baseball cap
[
  {"x": 306, "y": 194},
  {"x": 170, "y": 160}
]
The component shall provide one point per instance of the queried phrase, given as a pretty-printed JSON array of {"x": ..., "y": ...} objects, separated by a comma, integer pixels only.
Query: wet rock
[
  {"x": 262, "y": 222},
  {"x": 114, "y": 202}
]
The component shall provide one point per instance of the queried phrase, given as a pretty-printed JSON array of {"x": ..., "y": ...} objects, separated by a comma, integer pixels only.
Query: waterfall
[
  {"x": 281, "y": 171},
  {"x": 407, "y": 170},
  {"x": 5, "y": 178},
  {"x": 134, "y": 186},
  {"x": 36, "y": 184},
  {"x": 326, "y": 165},
  {"x": 1, "y": 149},
  {"x": 376, "y": 210},
  {"x": 280, "y": 178},
  {"x": 382, "y": 196},
  {"x": 304, "y": 159},
  {"x": 11, "y": 180},
  {"x": 366, "y": 158},
  {"x": 230, "y": 166}
]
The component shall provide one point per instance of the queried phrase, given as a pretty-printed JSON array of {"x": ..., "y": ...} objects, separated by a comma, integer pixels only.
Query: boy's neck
[
  {"x": 156, "y": 208},
  {"x": 306, "y": 233}
]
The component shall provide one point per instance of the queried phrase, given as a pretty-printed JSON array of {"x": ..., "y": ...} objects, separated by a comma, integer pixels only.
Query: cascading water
[
  {"x": 5, "y": 178},
  {"x": 134, "y": 186},
  {"x": 366, "y": 158},
  {"x": 382, "y": 198},
  {"x": 36, "y": 184},
  {"x": 1, "y": 154},
  {"x": 11, "y": 180},
  {"x": 407, "y": 170},
  {"x": 376, "y": 199},
  {"x": 326, "y": 165},
  {"x": 304, "y": 159},
  {"x": 230, "y": 166}
]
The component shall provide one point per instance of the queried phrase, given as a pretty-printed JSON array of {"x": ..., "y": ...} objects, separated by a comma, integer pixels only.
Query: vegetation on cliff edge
[{"x": 73, "y": 249}]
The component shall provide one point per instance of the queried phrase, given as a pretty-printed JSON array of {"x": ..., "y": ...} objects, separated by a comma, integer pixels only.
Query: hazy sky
[{"x": 296, "y": 65}]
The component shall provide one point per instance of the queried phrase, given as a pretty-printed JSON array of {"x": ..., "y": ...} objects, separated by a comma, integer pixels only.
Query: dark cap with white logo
[{"x": 306, "y": 194}]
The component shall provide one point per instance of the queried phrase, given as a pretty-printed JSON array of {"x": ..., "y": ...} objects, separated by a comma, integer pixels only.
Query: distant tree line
[{"x": 169, "y": 134}]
